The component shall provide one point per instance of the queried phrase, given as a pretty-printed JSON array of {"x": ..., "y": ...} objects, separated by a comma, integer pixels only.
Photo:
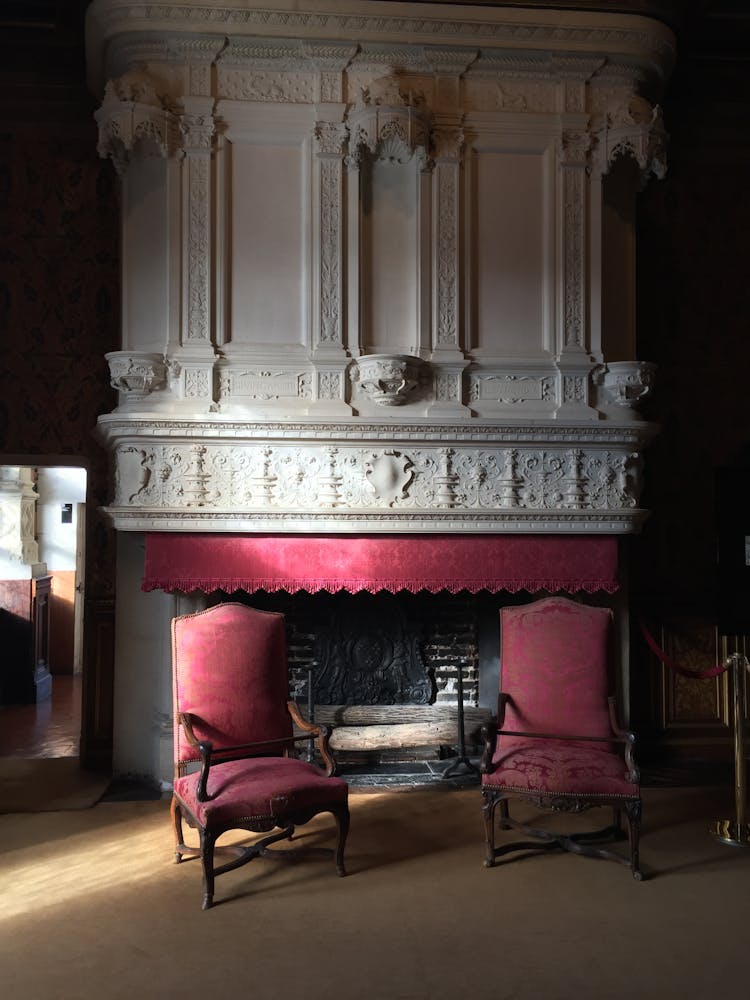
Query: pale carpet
[{"x": 93, "y": 907}]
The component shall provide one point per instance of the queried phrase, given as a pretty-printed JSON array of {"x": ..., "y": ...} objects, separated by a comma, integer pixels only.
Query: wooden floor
[{"x": 50, "y": 728}]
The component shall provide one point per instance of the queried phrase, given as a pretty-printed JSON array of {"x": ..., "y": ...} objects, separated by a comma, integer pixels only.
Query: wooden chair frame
[{"x": 579, "y": 843}]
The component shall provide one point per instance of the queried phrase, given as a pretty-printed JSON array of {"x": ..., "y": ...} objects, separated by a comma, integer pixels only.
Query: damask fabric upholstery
[
  {"x": 556, "y": 742},
  {"x": 554, "y": 671},
  {"x": 233, "y": 714},
  {"x": 208, "y": 562},
  {"x": 554, "y": 657},
  {"x": 222, "y": 672},
  {"x": 559, "y": 767},
  {"x": 266, "y": 788}
]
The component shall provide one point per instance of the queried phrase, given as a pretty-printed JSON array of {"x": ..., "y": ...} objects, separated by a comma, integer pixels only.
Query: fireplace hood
[{"x": 378, "y": 264}]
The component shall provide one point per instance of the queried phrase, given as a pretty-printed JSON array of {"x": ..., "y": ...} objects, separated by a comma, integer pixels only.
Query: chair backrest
[
  {"x": 554, "y": 666},
  {"x": 229, "y": 670}
]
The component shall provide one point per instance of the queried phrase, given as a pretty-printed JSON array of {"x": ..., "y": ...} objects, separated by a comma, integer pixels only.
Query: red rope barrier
[{"x": 668, "y": 662}]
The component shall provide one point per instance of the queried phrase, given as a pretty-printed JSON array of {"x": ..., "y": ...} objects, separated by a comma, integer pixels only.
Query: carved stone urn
[
  {"x": 625, "y": 383},
  {"x": 135, "y": 375},
  {"x": 388, "y": 379}
]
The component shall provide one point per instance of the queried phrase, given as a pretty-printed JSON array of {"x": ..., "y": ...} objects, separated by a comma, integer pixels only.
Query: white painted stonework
[{"x": 362, "y": 264}]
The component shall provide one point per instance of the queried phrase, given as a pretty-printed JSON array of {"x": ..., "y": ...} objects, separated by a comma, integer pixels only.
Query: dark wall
[
  {"x": 59, "y": 307},
  {"x": 693, "y": 314}
]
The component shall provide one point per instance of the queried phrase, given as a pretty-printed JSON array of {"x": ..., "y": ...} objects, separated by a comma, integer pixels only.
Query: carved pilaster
[
  {"x": 573, "y": 153},
  {"x": 197, "y": 129},
  {"x": 196, "y": 348},
  {"x": 574, "y": 359},
  {"x": 447, "y": 143},
  {"x": 448, "y": 359},
  {"x": 331, "y": 137}
]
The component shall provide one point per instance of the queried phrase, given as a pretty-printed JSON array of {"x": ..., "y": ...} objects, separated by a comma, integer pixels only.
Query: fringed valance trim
[
  {"x": 208, "y": 585},
  {"x": 433, "y": 563}
]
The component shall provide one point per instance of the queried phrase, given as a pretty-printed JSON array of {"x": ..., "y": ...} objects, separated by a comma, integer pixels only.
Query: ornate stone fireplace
[{"x": 378, "y": 274}]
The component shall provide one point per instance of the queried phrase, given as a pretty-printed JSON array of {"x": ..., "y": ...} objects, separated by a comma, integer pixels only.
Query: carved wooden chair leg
[
  {"x": 208, "y": 842},
  {"x": 633, "y": 811},
  {"x": 342, "y": 825},
  {"x": 177, "y": 825},
  {"x": 488, "y": 811}
]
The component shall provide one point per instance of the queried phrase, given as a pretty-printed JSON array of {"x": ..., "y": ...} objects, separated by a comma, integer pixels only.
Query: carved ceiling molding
[{"x": 646, "y": 42}]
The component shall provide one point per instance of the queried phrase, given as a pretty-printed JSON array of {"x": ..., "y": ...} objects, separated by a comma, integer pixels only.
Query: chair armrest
[
  {"x": 628, "y": 737},
  {"x": 241, "y": 751},
  {"x": 623, "y": 736},
  {"x": 323, "y": 734},
  {"x": 489, "y": 734}
]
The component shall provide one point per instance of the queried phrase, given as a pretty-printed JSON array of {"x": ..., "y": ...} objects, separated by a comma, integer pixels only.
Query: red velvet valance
[{"x": 207, "y": 562}]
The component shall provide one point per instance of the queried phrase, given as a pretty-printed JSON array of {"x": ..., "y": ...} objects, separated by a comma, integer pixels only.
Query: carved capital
[
  {"x": 447, "y": 142},
  {"x": 197, "y": 131},
  {"x": 574, "y": 147},
  {"x": 331, "y": 137}
]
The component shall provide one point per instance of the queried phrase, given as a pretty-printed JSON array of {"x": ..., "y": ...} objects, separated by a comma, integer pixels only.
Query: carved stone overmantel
[{"x": 362, "y": 281}]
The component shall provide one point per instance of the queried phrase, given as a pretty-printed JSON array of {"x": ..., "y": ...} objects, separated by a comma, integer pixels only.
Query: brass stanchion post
[{"x": 736, "y": 832}]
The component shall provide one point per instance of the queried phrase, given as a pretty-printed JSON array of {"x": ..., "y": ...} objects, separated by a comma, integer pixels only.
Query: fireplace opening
[{"x": 383, "y": 669}]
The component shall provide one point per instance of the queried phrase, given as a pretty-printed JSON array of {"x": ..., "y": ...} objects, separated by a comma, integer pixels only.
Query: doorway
[{"x": 42, "y": 558}]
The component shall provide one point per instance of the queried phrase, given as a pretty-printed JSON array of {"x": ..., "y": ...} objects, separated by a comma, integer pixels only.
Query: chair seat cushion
[
  {"x": 560, "y": 767},
  {"x": 262, "y": 788}
]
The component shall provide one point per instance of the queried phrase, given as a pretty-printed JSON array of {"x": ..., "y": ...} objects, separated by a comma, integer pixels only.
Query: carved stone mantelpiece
[
  {"x": 223, "y": 475},
  {"x": 363, "y": 277}
]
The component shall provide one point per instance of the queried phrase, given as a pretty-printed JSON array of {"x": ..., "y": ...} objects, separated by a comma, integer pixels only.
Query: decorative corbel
[
  {"x": 135, "y": 115},
  {"x": 635, "y": 128}
]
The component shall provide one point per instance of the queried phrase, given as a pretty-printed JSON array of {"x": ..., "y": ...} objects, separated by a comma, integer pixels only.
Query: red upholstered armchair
[
  {"x": 557, "y": 742},
  {"x": 234, "y": 719}
]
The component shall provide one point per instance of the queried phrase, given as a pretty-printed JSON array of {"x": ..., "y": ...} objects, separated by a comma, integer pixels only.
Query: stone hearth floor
[{"x": 410, "y": 773}]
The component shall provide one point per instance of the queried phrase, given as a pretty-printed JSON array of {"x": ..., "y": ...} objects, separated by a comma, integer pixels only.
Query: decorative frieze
[{"x": 288, "y": 479}]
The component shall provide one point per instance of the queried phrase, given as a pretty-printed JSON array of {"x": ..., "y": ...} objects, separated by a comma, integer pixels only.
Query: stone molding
[{"x": 645, "y": 45}]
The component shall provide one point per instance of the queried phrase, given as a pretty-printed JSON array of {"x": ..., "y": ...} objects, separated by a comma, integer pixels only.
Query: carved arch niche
[{"x": 389, "y": 233}]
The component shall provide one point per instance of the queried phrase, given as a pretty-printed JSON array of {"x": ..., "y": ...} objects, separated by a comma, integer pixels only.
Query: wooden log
[
  {"x": 358, "y": 715},
  {"x": 397, "y": 727},
  {"x": 397, "y": 736}
]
